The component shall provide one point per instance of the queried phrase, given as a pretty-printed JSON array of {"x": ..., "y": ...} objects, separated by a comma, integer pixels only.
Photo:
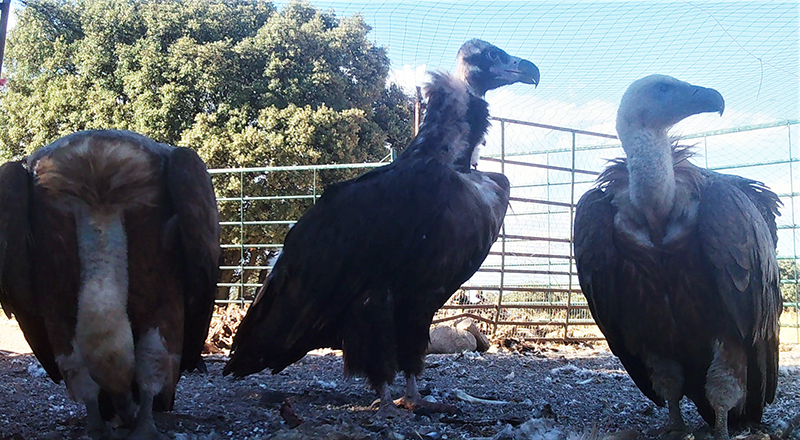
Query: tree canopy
[{"x": 241, "y": 83}]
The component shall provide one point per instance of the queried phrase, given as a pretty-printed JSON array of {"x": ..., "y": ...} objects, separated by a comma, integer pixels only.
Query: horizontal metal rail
[
  {"x": 554, "y": 127},
  {"x": 245, "y": 267},
  {"x": 531, "y": 255},
  {"x": 265, "y": 198},
  {"x": 344, "y": 166},
  {"x": 258, "y": 223},
  {"x": 251, "y": 245},
  {"x": 537, "y": 165},
  {"x": 519, "y": 289},
  {"x": 540, "y": 201},
  {"x": 528, "y": 271},
  {"x": 534, "y": 238}
]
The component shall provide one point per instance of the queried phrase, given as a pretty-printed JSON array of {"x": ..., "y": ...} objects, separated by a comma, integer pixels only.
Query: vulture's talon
[{"x": 415, "y": 404}]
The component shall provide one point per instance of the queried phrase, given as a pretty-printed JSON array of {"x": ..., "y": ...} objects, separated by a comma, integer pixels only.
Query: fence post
[
  {"x": 314, "y": 188},
  {"x": 794, "y": 237},
  {"x": 5, "y": 9},
  {"x": 417, "y": 111},
  {"x": 241, "y": 237},
  {"x": 502, "y": 232},
  {"x": 572, "y": 240}
]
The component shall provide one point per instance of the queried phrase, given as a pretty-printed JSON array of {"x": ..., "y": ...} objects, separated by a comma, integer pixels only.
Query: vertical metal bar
[
  {"x": 794, "y": 238},
  {"x": 417, "y": 110},
  {"x": 314, "y": 187},
  {"x": 572, "y": 241},
  {"x": 549, "y": 296},
  {"x": 502, "y": 231},
  {"x": 241, "y": 237},
  {"x": 5, "y": 6}
]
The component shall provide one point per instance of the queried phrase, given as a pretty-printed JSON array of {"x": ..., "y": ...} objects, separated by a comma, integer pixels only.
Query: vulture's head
[
  {"x": 657, "y": 102},
  {"x": 485, "y": 67}
]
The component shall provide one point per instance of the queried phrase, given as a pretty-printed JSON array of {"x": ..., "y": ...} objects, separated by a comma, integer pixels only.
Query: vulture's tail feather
[{"x": 97, "y": 179}]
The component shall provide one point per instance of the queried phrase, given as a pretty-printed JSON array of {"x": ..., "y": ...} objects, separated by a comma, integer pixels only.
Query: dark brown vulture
[
  {"x": 366, "y": 268},
  {"x": 678, "y": 265},
  {"x": 109, "y": 248}
]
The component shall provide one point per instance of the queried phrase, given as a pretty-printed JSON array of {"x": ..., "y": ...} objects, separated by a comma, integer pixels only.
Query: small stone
[
  {"x": 507, "y": 433},
  {"x": 448, "y": 340},
  {"x": 35, "y": 369},
  {"x": 482, "y": 343}
]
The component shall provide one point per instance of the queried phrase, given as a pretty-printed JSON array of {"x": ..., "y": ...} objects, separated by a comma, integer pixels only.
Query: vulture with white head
[
  {"x": 678, "y": 265},
  {"x": 109, "y": 249},
  {"x": 367, "y": 267}
]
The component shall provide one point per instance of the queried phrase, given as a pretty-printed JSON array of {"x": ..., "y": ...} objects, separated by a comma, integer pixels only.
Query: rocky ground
[{"x": 545, "y": 392}]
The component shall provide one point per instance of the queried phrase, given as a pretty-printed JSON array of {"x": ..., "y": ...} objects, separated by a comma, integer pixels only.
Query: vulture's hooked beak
[
  {"x": 518, "y": 70},
  {"x": 707, "y": 100},
  {"x": 528, "y": 73}
]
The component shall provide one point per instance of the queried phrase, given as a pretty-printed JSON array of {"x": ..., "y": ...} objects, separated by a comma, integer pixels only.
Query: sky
[{"x": 589, "y": 52}]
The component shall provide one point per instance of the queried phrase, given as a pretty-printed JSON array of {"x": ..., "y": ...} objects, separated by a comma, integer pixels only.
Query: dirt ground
[{"x": 549, "y": 392}]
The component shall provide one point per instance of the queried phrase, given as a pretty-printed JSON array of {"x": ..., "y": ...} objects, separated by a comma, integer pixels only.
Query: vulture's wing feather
[
  {"x": 391, "y": 228},
  {"x": 197, "y": 227},
  {"x": 16, "y": 254},
  {"x": 597, "y": 261},
  {"x": 15, "y": 249},
  {"x": 738, "y": 233}
]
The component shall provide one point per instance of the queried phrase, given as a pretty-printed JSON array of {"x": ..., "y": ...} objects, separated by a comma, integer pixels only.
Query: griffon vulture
[
  {"x": 109, "y": 248},
  {"x": 678, "y": 265},
  {"x": 366, "y": 268}
]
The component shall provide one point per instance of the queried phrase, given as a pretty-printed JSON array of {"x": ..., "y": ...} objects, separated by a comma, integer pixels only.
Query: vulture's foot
[
  {"x": 721, "y": 426},
  {"x": 417, "y": 403},
  {"x": 98, "y": 432},
  {"x": 390, "y": 411},
  {"x": 96, "y": 428},
  {"x": 125, "y": 408},
  {"x": 387, "y": 408},
  {"x": 413, "y": 400},
  {"x": 145, "y": 428},
  {"x": 676, "y": 434},
  {"x": 146, "y": 433}
]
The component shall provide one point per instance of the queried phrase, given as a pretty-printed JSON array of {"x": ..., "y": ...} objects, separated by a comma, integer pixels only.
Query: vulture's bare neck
[
  {"x": 651, "y": 175},
  {"x": 455, "y": 123},
  {"x": 464, "y": 74}
]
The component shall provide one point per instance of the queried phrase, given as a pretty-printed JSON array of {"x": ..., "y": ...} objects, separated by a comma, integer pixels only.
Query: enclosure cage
[{"x": 527, "y": 288}]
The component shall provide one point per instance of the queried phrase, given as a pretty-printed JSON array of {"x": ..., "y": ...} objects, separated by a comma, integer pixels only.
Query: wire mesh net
[{"x": 588, "y": 53}]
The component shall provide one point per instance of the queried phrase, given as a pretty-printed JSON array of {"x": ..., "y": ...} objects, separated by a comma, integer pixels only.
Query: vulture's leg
[
  {"x": 725, "y": 384},
  {"x": 83, "y": 389},
  {"x": 155, "y": 368},
  {"x": 414, "y": 323},
  {"x": 413, "y": 400},
  {"x": 95, "y": 426},
  {"x": 145, "y": 428},
  {"x": 667, "y": 378},
  {"x": 676, "y": 422},
  {"x": 387, "y": 407},
  {"x": 125, "y": 408}
]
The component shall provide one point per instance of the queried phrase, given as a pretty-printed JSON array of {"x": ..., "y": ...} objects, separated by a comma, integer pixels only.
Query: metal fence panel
[{"x": 528, "y": 287}]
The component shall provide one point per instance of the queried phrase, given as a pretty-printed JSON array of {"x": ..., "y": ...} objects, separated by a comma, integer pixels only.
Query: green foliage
[
  {"x": 239, "y": 82},
  {"x": 789, "y": 272}
]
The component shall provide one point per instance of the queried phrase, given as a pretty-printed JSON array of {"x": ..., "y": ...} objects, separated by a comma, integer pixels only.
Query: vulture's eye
[
  {"x": 492, "y": 54},
  {"x": 664, "y": 88}
]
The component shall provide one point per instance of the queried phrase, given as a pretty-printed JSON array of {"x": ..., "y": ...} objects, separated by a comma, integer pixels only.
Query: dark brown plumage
[
  {"x": 366, "y": 268},
  {"x": 109, "y": 246},
  {"x": 678, "y": 265}
]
